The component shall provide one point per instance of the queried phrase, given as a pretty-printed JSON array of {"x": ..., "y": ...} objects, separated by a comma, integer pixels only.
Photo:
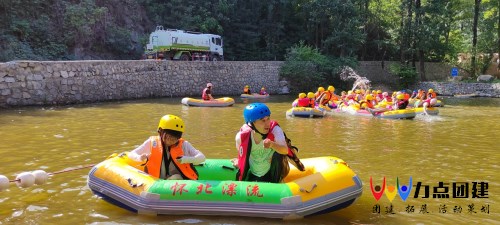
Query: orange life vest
[
  {"x": 326, "y": 98},
  {"x": 367, "y": 103},
  {"x": 318, "y": 94},
  {"x": 154, "y": 163}
]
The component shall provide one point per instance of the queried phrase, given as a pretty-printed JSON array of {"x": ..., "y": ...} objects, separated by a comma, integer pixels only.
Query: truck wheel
[
  {"x": 184, "y": 57},
  {"x": 215, "y": 58}
]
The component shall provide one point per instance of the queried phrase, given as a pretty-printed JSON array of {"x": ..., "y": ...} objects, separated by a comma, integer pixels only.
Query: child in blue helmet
[{"x": 263, "y": 147}]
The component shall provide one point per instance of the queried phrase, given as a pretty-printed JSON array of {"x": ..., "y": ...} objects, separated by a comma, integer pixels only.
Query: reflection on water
[{"x": 459, "y": 145}]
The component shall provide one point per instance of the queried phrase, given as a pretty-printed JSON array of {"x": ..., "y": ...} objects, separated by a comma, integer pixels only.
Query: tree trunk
[
  {"x": 418, "y": 22},
  {"x": 402, "y": 34},
  {"x": 409, "y": 31},
  {"x": 474, "y": 36},
  {"x": 406, "y": 29},
  {"x": 365, "y": 29}
]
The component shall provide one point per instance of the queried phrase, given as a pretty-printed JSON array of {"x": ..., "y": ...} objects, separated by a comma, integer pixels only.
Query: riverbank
[{"x": 462, "y": 89}]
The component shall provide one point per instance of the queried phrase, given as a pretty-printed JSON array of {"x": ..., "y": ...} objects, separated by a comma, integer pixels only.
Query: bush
[
  {"x": 306, "y": 68},
  {"x": 407, "y": 75}
]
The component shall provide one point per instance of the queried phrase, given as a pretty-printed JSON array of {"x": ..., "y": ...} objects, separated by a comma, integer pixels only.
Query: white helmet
[{"x": 209, "y": 85}]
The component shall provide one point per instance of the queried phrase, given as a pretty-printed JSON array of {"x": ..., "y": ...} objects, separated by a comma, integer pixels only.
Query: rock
[
  {"x": 284, "y": 90},
  {"x": 456, "y": 78},
  {"x": 485, "y": 78}
]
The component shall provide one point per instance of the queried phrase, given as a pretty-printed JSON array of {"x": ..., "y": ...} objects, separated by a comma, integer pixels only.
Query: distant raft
[
  {"x": 392, "y": 114},
  {"x": 254, "y": 96},
  {"x": 327, "y": 184},
  {"x": 219, "y": 102},
  {"x": 412, "y": 102},
  {"x": 430, "y": 110},
  {"x": 305, "y": 112}
]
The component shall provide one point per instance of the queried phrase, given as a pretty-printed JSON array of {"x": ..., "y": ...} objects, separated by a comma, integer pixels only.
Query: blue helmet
[{"x": 255, "y": 111}]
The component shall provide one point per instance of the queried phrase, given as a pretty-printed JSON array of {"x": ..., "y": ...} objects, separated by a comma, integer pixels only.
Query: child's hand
[
  {"x": 267, "y": 143},
  {"x": 179, "y": 159},
  {"x": 144, "y": 157}
]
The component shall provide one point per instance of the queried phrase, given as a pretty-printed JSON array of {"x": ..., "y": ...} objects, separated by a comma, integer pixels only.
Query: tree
[{"x": 477, "y": 3}]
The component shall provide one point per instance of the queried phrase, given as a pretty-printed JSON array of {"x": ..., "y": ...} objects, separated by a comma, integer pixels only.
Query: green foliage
[
  {"x": 252, "y": 29},
  {"x": 80, "y": 21},
  {"x": 306, "y": 68},
  {"x": 406, "y": 75},
  {"x": 119, "y": 40}
]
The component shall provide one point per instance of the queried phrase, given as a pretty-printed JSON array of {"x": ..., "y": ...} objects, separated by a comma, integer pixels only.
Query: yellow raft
[
  {"x": 430, "y": 110},
  {"x": 392, "y": 114},
  {"x": 219, "y": 102},
  {"x": 254, "y": 96},
  {"x": 305, "y": 112},
  {"x": 327, "y": 184}
]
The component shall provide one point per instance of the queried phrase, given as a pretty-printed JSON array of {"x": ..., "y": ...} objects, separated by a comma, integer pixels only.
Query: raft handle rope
[
  {"x": 129, "y": 180},
  {"x": 308, "y": 191},
  {"x": 38, "y": 177},
  {"x": 228, "y": 167}
]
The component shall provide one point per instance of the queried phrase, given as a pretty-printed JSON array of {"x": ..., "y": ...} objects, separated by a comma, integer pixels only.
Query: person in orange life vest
[
  {"x": 246, "y": 90},
  {"x": 328, "y": 96},
  {"x": 420, "y": 94},
  {"x": 405, "y": 94},
  {"x": 367, "y": 103},
  {"x": 167, "y": 155},
  {"x": 263, "y": 91},
  {"x": 431, "y": 94},
  {"x": 312, "y": 100},
  {"x": 207, "y": 93},
  {"x": 431, "y": 98},
  {"x": 263, "y": 149},
  {"x": 318, "y": 93},
  {"x": 303, "y": 101}
]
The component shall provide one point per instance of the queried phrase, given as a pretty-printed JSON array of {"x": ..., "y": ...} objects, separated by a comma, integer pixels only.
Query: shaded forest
[{"x": 409, "y": 31}]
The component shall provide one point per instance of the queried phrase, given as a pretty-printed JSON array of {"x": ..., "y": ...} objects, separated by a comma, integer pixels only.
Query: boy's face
[{"x": 262, "y": 125}]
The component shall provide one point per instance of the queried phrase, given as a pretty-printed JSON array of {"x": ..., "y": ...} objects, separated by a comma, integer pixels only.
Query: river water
[{"x": 459, "y": 148}]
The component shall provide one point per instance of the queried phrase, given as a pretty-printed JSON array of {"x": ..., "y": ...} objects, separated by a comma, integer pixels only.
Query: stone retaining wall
[
  {"x": 378, "y": 72},
  {"x": 68, "y": 82},
  {"x": 456, "y": 88}
]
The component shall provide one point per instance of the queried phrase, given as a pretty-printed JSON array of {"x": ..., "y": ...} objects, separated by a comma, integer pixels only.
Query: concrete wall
[{"x": 67, "y": 82}]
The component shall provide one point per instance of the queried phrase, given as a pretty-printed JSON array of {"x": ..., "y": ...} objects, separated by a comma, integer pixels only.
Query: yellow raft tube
[
  {"x": 327, "y": 184},
  {"x": 218, "y": 102}
]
